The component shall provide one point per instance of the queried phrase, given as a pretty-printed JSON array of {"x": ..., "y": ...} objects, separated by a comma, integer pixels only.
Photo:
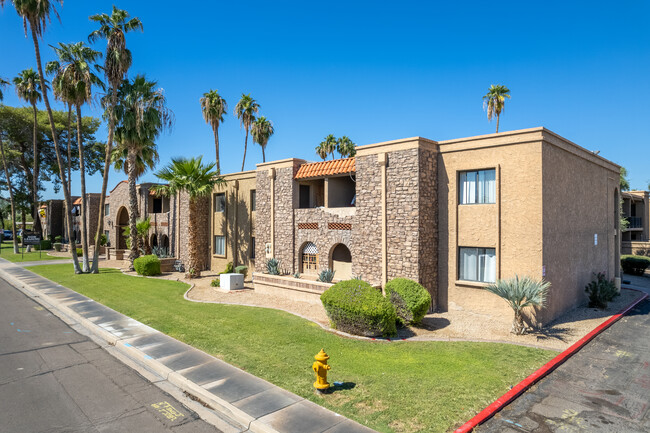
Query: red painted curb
[{"x": 522, "y": 386}]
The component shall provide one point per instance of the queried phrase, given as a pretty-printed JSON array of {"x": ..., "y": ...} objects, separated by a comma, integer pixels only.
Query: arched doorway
[
  {"x": 164, "y": 242},
  {"x": 341, "y": 262},
  {"x": 154, "y": 240},
  {"x": 122, "y": 222},
  {"x": 309, "y": 258}
]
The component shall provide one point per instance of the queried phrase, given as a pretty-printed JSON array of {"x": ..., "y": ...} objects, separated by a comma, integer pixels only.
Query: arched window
[{"x": 309, "y": 258}]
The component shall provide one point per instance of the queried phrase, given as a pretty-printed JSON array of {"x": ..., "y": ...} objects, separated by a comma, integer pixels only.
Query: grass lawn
[
  {"x": 391, "y": 387},
  {"x": 7, "y": 253}
]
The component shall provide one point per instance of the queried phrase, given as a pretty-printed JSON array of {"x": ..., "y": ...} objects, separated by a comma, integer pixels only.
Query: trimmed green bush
[
  {"x": 242, "y": 270},
  {"x": 147, "y": 265},
  {"x": 45, "y": 245},
  {"x": 634, "y": 265},
  {"x": 410, "y": 299},
  {"x": 356, "y": 307},
  {"x": 601, "y": 291},
  {"x": 58, "y": 239},
  {"x": 80, "y": 252},
  {"x": 216, "y": 282},
  {"x": 229, "y": 269}
]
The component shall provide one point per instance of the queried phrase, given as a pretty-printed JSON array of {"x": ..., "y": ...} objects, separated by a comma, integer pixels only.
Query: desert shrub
[
  {"x": 216, "y": 282},
  {"x": 634, "y": 265},
  {"x": 601, "y": 291},
  {"x": 326, "y": 276},
  {"x": 410, "y": 299},
  {"x": 242, "y": 270},
  {"x": 296, "y": 275},
  {"x": 147, "y": 265},
  {"x": 229, "y": 269},
  {"x": 273, "y": 266},
  {"x": 80, "y": 252},
  {"x": 356, "y": 307}
]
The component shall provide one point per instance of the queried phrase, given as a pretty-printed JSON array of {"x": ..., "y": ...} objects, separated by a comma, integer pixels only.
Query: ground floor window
[
  {"x": 220, "y": 245},
  {"x": 253, "y": 246},
  {"x": 108, "y": 237},
  {"x": 477, "y": 264},
  {"x": 309, "y": 258}
]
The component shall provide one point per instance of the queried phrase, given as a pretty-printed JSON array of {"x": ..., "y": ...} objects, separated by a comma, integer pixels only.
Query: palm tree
[
  {"x": 3, "y": 83},
  {"x": 245, "y": 110},
  {"x": 146, "y": 158},
  {"x": 326, "y": 147},
  {"x": 113, "y": 28},
  {"x": 28, "y": 88},
  {"x": 36, "y": 13},
  {"x": 519, "y": 294},
  {"x": 495, "y": 100},
  {"x": 214, "y": 107},
  {"x": 262, "y": 130},
  {"x": 346, "y": 147},
  {"x": 197, "y": 180},
  {"x": 141, "y": 115},
  {"x": 75, "y": 74}
]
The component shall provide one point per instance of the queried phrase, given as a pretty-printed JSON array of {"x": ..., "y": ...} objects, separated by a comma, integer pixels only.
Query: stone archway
[
  {"x": 121, "y": 223},
  {"x": 341, "y": 262},
  {"x": 164, "y": 242}
]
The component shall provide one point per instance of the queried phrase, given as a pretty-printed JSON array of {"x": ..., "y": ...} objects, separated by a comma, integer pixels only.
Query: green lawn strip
[
  {"x": 7, "y": 253},
  {"x": 393, "y": 387}
]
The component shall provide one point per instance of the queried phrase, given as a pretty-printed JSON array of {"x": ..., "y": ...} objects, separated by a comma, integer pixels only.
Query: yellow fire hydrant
[{"x": 320, "y": 367}]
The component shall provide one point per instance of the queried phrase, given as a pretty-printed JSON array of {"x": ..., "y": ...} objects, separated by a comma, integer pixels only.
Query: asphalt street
[{"x": 53, "y": 379}]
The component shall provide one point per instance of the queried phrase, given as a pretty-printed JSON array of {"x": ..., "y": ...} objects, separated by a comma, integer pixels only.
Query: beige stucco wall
[{"x": 237, "y": 223}]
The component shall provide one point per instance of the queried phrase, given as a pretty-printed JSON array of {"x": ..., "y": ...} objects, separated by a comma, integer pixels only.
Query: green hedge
[
  {"x": 147, "y": 265},
  {"x": 635, "y": 265},
  {"x": 242, "y": 270},
  {"x": 356, "y": 307},
  {"x": 45, "y": 245},
  {"x": 410, "y": 299}
]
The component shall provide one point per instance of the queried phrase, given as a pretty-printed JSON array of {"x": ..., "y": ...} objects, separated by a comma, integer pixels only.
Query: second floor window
[
  {"x": 477, "y": 187},
  {"x": 253, "y": 200},
  {"x": 157, "y": 205},
  {"x": 220, "y": 202},
  {"x": 107, "y": 209}
]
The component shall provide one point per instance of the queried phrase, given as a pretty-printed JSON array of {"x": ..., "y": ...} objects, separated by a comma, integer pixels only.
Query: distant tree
[
  {"x": 117, "y": 62},
  {"x": 28, "y": 88},
  {"x": 495, "y": 101},
  {"x": 262, "y": 130},
  {"x": 346, "y": 147},
  {"x": 624, "y": 183},
  {"x": 214, "y": 108},
  {"x": 326, "y": 147},
  {"x": 245, "y": 110},
  {"x": 3, "y": 83},
  {"x": 197, "y": 180}
]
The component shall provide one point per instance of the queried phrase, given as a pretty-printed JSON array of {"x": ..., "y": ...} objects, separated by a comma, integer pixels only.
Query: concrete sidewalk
[{"x": 255, "y": 404}]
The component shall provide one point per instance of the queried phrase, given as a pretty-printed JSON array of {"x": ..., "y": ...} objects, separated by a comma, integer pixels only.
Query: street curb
[{"x": 546, "y": 369}]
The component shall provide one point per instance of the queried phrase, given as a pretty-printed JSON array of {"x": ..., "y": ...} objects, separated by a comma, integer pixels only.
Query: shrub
[
  {"x": 216, "y": 282},
  {"x": 296, "y": 275},
  {"x": 410, "y": 299},
  {"x": 57, "y": 246},
  {"x": 80, "y": 252},
  {"x": 45, "y": 245},
  {"x": 519, "y": 294},
  {"x": 356, "y": 307},
  {"x": 58, "y": 239},
  {"x": 242, "y": 270},
  {"x": 326, "y": 276},
  {"x": 273, "y": 266},
  {"x": 147, "y": 265},
  {"x": 103, "y": 240},
  {"x": 635, "y": 265},
  {"x": 228, "y": 270},
  {"x": 601, "y": 291}
]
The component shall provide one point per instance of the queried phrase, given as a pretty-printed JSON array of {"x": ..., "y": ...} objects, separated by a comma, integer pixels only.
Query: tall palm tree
[
  {"x": 28, "y": 88},
  {"x": 495, "y": 100},
  {"x": 214, "y": 107},
  {"x": 146, "y": 158},
  {"x": 197, "y": 180},
  {"x": 262, "y": 130},
  {"x": 3, "y": 83},
  {"x": 113, "y": 28},
  {"x": 326, "y": 147},
  {"x": 75, "y": 72},
  {"x": 245, "y": 110},
  {"x": 37, "y": 13},
  {"x": 346, "y": 147},
  {"x": 142, "y": 115}
]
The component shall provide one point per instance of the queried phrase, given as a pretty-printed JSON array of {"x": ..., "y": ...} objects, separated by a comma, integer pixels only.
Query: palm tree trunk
[
  {"x": 67, "y": 215},
  {"x": 84, "y": 200},
  {"x": 263, "y": 156},
  {"x": 133, "y": 207},
  {"x": 518, "y": 323},
  {"x": 245, "y": 146},
  {"x": 36, "y": 227},
  {"x": 498, "y": 115},
  {"x": 216, "y": 147},
  {"x": 11, "y": 197},
  {"x": 193, "y": 253},
  {"x": 66, "y": 191},
  {"x": 107, "y": 167}
]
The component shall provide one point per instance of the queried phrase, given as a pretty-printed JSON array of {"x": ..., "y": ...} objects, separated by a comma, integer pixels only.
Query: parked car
[{"x": 8, "y": 235}]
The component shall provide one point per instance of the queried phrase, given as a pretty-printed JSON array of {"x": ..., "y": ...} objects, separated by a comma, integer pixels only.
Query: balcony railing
[{"x": 635, "y": 222}]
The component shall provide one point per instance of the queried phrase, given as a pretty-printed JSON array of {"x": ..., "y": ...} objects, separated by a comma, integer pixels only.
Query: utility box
[{"x": 230, "y": 282}]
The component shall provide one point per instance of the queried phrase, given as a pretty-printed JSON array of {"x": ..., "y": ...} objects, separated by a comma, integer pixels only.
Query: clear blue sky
[{"x": 379, "y": 72}]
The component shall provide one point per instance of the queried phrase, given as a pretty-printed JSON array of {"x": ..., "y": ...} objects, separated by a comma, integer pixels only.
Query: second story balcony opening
[
  {"x": 158, "y": 204},
  {"x": 327, "y": 184}
]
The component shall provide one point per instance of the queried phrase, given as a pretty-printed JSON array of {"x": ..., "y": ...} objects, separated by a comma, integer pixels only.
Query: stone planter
[
  {"x": 289, "y": 287},
  {"x": 57, "y": 247}
]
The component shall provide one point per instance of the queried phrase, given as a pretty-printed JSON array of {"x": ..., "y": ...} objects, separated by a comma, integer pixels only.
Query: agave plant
[
  {"x": 520, "y": 293},
  {"x": 273, "y": 266},
  {"x": 326, "y": 276}
]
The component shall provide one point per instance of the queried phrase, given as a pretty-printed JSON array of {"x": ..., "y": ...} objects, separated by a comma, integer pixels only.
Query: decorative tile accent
[
  {"x": 339, "y": 226},
  {"x": 308, "y": 226}
]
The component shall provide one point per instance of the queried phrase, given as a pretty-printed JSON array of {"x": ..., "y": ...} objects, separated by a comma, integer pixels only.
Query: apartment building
[{"x": 635, "y": 236}]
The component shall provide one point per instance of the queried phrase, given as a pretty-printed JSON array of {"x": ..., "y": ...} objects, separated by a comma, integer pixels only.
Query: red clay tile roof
[
  {"x": 43, "y": 206},
  {"x": 326, "y": 168},
  {"x": 77, "y": 201}
]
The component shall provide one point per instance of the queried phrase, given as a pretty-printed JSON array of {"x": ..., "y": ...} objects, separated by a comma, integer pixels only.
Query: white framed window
[
  {"x": 477, "y": 187},
  {"x": 253, "y": 200},
  {"x": 107, "y": 209},
  {"x": 220, "y": 245},
  {"x": 477, "y": 264},
  {"x": 220, "y": 202}
]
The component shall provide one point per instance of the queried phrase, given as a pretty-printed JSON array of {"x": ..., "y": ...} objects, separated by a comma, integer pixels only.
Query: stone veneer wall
[
  {"x": 365, "y": 245},
  {"x": 262, "y": 218},
  {"x": 428, "y": 223},
  {"x": 285, "y": 201}
]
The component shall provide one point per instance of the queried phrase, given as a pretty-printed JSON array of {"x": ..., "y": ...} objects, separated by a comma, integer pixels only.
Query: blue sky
[{"x": 379, "y": 71}]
